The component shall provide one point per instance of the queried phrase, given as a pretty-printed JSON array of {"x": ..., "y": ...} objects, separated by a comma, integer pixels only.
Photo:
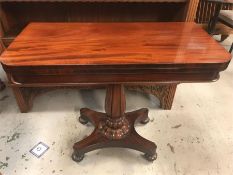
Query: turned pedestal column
[{"x": 115, "y": 128}]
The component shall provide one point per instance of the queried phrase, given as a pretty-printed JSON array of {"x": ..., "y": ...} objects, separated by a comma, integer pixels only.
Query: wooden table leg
[
  {"x": 115, "y": 128},
  {"x": 23, "y": 99}
]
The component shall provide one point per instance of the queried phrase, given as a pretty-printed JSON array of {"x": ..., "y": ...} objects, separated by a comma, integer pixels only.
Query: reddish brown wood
[
  {"x": 115, "y": 128},
  {"x": 104, "y": 44},
  {"x": 15, "y": 15},
  {"x": 27, "y": 76},
  {"x": 117, "y": 54},
  {"x": 191, "y": 10},
  {"x": 22, "y": 99}
]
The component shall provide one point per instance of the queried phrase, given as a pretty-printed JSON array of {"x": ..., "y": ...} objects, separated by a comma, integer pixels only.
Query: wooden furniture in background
[
  {"x": 224, "y": 17},
  {"x": 16, "y": 14},
  {"x": 220, "y": 16},
  {"x": 206, "y": 10},
  {"x": 115, "y": 54},
  {"x": 213, "y": 14}
]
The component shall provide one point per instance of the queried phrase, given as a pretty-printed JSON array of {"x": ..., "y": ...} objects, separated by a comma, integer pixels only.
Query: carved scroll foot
[
  {"x": 88, "y": 115},
  {"x": 141, "y": 114}
]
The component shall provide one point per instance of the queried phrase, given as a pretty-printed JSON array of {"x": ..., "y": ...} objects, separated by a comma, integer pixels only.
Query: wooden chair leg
[
  {"x": 231, "y": 48},
  {"x": 223, "y": 37},
  {"x": 165, "y": 93}
]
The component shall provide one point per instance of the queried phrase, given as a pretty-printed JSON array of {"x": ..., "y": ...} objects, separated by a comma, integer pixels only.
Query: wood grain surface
[
  {"x": 93, "y": 0},
  {"x": 113, "y": 44}
]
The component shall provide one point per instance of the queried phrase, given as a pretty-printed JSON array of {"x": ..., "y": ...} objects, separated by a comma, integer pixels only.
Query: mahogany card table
[{"x": 114, "y": 54}]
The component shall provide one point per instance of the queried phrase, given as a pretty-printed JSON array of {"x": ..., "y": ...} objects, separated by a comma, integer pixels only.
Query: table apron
[{"x": 71, "y": 80}]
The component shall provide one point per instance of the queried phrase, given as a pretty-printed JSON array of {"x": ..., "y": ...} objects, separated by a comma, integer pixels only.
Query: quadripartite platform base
[{"x": 114, "y": 133}]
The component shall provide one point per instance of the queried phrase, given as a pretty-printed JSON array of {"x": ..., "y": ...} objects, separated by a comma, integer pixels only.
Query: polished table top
[
  {"x": 105, "y": 53},
  {"x": 113, "y": 44}
]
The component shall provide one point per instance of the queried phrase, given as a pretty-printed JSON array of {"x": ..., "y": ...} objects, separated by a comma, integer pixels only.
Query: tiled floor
[{"x": 194, "y": 138}]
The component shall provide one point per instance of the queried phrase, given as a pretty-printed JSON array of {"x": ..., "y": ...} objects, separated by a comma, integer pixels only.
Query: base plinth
[{"x": 109, "y": 133}]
